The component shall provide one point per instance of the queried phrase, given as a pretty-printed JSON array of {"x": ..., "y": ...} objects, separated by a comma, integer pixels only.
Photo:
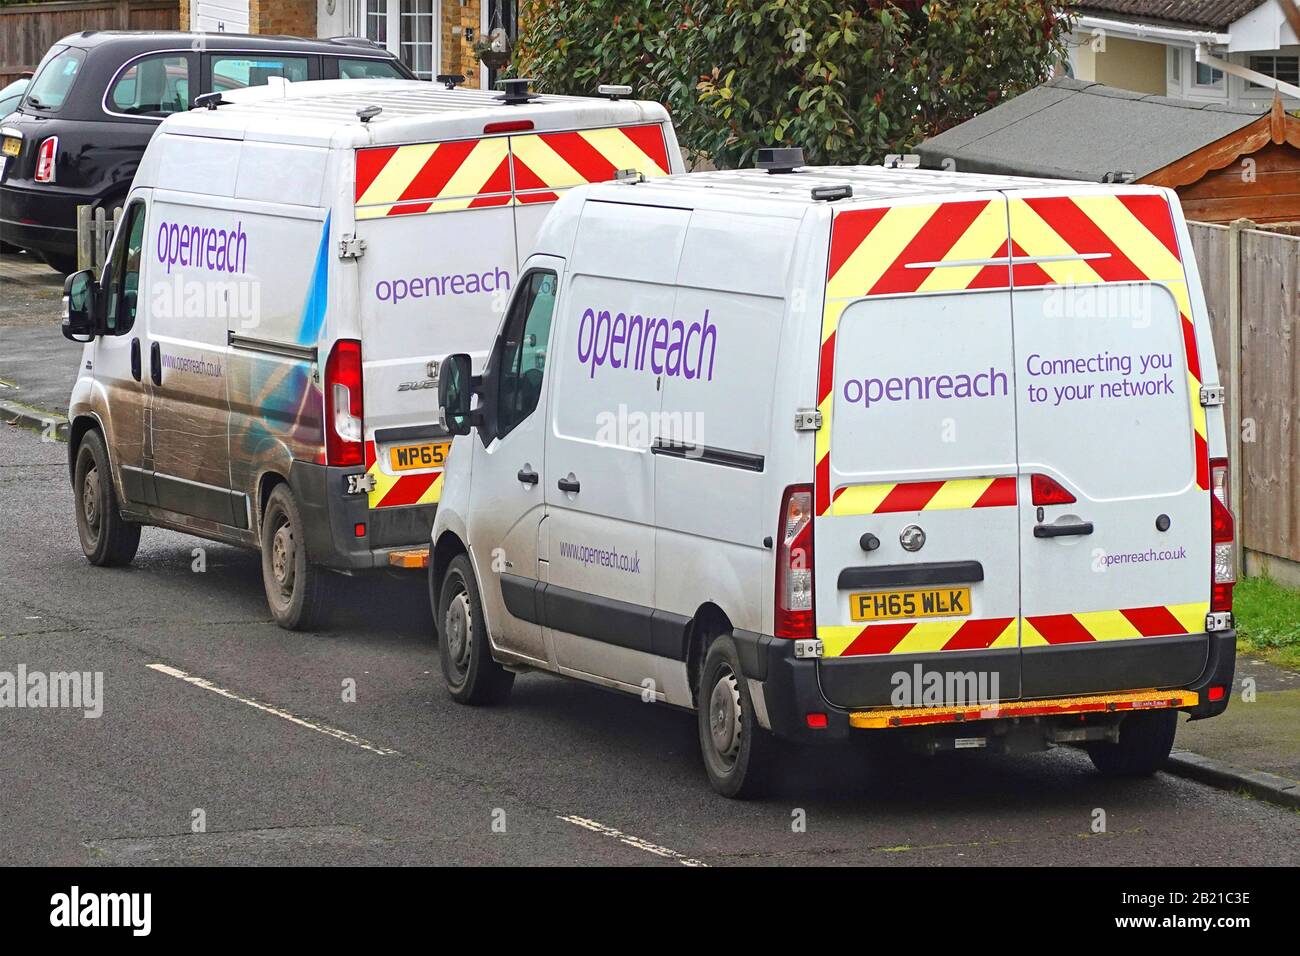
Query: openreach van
[
  {"x": 263, "y": 344},
  {"x": 930, "y": 457}
]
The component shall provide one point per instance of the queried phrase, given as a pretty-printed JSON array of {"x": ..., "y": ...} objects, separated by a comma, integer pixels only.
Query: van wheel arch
[
  {"x": 265, "y": 485},
  {"x": 708, "y": 624},
  {"x": 447, "y": 547},
  {"x": 76, "y": 432}
]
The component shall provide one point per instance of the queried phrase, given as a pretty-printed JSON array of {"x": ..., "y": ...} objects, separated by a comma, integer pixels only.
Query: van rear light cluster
[
  {"x": 1048, "y": 491},
  {"x": 1223, "y": 572},
  {"x": 45, "y": 160},
  {"x": 794, "y": 564},
  {"x": 344, "y": 408}
]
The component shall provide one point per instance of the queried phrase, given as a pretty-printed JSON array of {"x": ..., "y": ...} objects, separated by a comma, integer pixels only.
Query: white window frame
[
  {"x": 1218, "y": 86},
  {"x": 393, "y": 30},
  {"x": 1254, "y": 89}
]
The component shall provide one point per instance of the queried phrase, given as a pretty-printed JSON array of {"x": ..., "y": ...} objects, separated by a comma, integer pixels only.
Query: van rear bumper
[
  {"x": 792, "y": 687},
  {"x": 332, "y": 517}
]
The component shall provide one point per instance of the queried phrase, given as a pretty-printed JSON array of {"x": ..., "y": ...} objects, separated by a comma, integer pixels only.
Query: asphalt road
[{"x": 285, "y": 771}]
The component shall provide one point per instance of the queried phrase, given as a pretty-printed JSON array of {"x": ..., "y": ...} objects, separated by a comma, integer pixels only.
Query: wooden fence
[
  {"x": 27, "y": 30},
  {"x": 1252, "y": 286}
]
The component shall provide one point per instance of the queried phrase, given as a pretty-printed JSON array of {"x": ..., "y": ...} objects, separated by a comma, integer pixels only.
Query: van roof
[
  {"x": 324, "y": 113},
  {"x": 757, "y": 187}
]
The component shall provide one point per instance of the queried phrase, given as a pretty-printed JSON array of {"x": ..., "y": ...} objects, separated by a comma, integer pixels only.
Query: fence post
[
  {"x": 1237, "y": 470},
  {"x": 85, "y": 239}
]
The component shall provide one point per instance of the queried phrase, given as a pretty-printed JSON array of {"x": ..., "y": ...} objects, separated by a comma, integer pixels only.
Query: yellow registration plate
[
  {"x": 415, "y": 457},
  {"x": 925, "y": 602},
  {"x": 11, "y": 147}
]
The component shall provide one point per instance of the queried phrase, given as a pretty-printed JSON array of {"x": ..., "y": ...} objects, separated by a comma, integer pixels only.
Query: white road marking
[
  {"x": 632, "y": 841},
  {"x": 328, "y": 731}
]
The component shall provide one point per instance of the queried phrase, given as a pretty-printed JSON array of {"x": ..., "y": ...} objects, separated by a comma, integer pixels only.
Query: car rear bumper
[
  {"x": 792, "y": 688},
  {"x": 43, "y": 219},
  {"x": 333, "y": 517}
]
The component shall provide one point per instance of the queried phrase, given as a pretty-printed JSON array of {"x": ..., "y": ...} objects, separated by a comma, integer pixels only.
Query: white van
[
  {"x": 820, "y": 450},
  {"x": 290, "y": 269}
]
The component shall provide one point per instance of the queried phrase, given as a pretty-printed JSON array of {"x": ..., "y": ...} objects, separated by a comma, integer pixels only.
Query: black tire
[
  {"x": 740, "y": 757},
  {"x": 297, "y": 591},
  {"x": 1145, "y": 739},
  {"x": 472, "y": 676},
  {"x": 108, "y": 539}
]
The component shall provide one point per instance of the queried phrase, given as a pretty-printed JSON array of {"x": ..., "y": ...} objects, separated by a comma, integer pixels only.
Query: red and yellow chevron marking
[
  {"x": 1126, "y": 623},
  {"x": 499, "y": 170},
  {"x": 923, "y": 637},
  {"x": 951, "y": 495},
  {"x": 391, "y": 491}
]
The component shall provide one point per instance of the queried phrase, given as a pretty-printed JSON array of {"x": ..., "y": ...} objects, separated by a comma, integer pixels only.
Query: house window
[
  {"x": 376, "y": 25},
  {"x": 1284, "y": 68},
  {"x": 1175, "y": 56},
  {"x": 1207, "y": 77},
  {"x": 407, "y": 28}
]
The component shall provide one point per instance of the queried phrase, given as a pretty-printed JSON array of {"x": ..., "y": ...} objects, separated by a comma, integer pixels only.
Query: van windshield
[{"x": 54, "y": 79}]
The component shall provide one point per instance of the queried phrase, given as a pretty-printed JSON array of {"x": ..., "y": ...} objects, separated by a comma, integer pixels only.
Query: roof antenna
[
  {"x": 367, "y": 113},
  {"x": 516, "y": 91},
  {"x": 450, "y": 80}
]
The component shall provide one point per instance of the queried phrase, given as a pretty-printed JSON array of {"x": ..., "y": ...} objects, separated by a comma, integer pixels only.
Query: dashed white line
[
  {"x": 328, "y": 731},
  {"x": 633, "y": 841}
]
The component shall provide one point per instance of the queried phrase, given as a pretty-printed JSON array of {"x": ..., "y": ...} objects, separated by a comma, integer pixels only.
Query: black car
[{"x": 97, "y": 97}]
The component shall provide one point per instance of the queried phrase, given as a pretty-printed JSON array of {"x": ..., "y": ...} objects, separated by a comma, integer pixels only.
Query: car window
[
  {"x": 368, "y": 70},
  {"x": 123, "y": 288},
  {"x": 11, "y": 95},
  {"x": 54, "y": 79},
  {"x": 153, "y": 86},
  {"x": 239, "y": 70},
  {"x": 523, "y": 353}
]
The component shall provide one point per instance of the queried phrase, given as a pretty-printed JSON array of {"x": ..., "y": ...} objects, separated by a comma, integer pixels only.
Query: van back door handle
[
  {"x": 135, "y": 359},
  {"x": 571, "y": 485},
  {"x": 155, "y": 363},
  {"x": 1062, "y": 530},
  {"x": 527, "y": 475}
]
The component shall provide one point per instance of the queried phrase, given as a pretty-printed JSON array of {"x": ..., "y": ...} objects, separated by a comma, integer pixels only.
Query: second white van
[{"x": 815, "y": 452}]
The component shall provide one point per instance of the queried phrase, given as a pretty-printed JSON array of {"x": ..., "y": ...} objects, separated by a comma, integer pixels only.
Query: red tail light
[
  {"x": 1223, "y": 569},
  {"x": 45, "y": 160},
  {"x": 344, "y": 413},
  {"x": 1049, "y": 491},
  {"x": 794, "y": 564},
  {"x": 508, "y": 126}
]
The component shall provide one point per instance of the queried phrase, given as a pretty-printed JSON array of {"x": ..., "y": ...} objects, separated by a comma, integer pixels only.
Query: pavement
[
  {"x": 37, "y": 364},
  {"x": 224, "y": 739}
]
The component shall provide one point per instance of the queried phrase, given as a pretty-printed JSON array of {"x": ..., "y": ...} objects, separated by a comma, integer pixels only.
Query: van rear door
[
  {"x": 1114, "y": 536},
  {"x": 916, "y": 531}
]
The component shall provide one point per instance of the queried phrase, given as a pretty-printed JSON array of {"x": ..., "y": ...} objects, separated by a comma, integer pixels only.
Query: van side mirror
[
  {"x": 80, "y": 307},
  {"x": 455, "y": 390}
]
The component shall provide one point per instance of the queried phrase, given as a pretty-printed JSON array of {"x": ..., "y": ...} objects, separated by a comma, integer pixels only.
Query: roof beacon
[
  {"x": 367, "y": 113},
  {"x": 450, "y": 80},
  {"x": 516, "y": 91},
  {"x": 209, "y": 100},
  {"x": 904, "y": 161},
  {"x": 780, "y": 159},
  {"x": 614, "y": 91},
  {"x": 832, "y": 193}
]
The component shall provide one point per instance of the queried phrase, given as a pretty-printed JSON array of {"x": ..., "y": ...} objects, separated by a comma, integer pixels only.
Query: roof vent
[
  {"x": 779, "y": 159},
  {"x": 367, "y": 113},
  {"x": 516, "y": 91},
  {"x": 614, "y": 91},
  {"x": 832, "y": 193},
  {"x": 450, "y": 80}
]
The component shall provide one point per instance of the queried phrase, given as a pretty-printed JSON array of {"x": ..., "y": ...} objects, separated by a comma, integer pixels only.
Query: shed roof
[{"x": 1214, "y": 14}]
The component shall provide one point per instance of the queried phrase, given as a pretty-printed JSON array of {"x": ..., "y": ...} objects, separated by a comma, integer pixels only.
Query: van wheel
[
  {"x": 1145, "y": 740},
  {"x": 739, "y": 755},
  {"x": 295, "y": 588},
  {"x": 108, "y": 539},
  {"x": 472, "y": 676}
]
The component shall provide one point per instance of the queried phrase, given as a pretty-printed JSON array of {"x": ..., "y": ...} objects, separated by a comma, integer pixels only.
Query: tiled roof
[{"x": 1207, "y": 14}]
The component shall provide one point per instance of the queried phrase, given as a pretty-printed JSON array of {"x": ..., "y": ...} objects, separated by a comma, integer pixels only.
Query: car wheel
[
  {"x": 472, "y": 676},
  {"x": 296, "y": 589},
  {"x": 107, "y": 539},
  {"x": 1145, "y": 739},
  {"x": 739, "y": 755}
]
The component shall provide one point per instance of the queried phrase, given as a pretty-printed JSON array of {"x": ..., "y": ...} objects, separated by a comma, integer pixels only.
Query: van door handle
[
  {"x": 155, "y": 363},
  {"x": 527, "y": 475},
  {"x": 1062, "y": 530},
  {"x": 571, "y": 485},
  {"x": 135, "y": 359}
]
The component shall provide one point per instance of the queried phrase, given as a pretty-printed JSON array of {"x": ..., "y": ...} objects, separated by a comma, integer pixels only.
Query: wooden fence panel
[{"x": 28, "y": 30}]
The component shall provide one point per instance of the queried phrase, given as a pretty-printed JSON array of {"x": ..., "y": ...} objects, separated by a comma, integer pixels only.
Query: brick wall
[
  {"x": 288, "y": 17},
  {"x": 458, "y": 53}
]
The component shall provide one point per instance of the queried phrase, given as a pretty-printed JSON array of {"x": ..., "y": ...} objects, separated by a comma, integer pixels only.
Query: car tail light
[
  {"x": 1049, "y": 491},
  {"x": 45, "y": 160},
  {"x": 1216, "y": 693},
  {"x": 344, "y": 416},
  {"x": 508, "y": 126},
  {"x": 1223, "y": 570},
  {"x": 794, "y": 564}
]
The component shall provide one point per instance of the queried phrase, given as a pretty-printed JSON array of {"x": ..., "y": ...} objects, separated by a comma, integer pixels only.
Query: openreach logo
[
  {"x": 76, "y": 909},
  {"x": 38, "y": 690},
  {"x": 665, "y": 346},
  {"x": 924, "y": 688}
]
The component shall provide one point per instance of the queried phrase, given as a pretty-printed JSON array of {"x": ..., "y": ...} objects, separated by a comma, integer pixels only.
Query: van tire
[
  {"x": 739, "y": 755},
  {"x": 107, "y": 539},
  {"x": 296, "y": 589},
  {"x": 472, "y": 676},
  {"x": 1145, "y": 740}
]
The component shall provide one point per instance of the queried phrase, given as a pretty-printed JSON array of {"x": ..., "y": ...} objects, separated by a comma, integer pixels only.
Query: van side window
[
  {"x": 523, "y": 352},
  {"x": 123, "y": 288}
]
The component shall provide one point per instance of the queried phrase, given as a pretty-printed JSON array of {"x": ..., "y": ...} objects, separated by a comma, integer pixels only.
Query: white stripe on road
[
  {"x": 342, "y": 735},
  {"x": 637, "y": 842}
]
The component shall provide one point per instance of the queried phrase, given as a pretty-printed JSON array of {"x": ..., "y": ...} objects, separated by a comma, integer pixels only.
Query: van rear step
[
  {"x": 410, "y": 558},
  {"x": 1102, "y": 703}
]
